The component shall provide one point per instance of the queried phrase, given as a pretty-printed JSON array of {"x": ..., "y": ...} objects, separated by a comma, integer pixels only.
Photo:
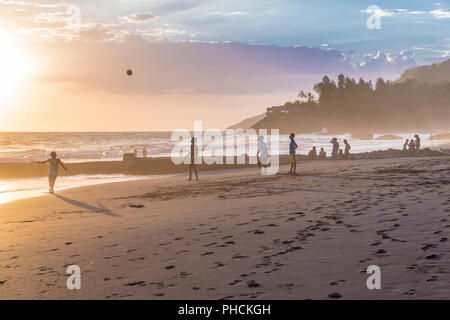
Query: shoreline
[
  {"x": 164, "y": 165},
  {"x": 210, "y": 170},
  {"x": 145, "y": 169}
]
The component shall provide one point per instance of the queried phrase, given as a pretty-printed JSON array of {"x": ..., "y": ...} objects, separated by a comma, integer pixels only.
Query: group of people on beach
[
  {"x": 144, "y": 153},
  {"x": 412, "y": 146},
  {"x": 336, "y": 153}
]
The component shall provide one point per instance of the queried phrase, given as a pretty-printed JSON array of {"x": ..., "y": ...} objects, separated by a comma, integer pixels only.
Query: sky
[{"x": 64, "y": 63}]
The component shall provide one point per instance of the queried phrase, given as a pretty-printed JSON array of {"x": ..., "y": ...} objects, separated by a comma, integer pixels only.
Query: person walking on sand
[
  {"x": 292, "y": 147},
  {"x": 262, "y": 155},
  {"x": 135, "y": 152},
  {"x": 417, "y": 142},
  {"x": 334, "y": 152},
  {"x": 347, "y": 149},
  {"x": 144, "y": 153},
  {"x": 53, "y": 170},
  {"x": 194, "y": 155}
]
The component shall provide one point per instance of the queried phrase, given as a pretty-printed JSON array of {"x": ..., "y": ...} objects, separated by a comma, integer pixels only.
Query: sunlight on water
[
  {"x": 108, "y": 146},
  {"x": 15, "y": 189}
]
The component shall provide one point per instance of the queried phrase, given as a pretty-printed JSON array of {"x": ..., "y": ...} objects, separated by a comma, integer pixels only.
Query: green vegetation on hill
[
  {"x": 432, "y": 74},
  {"x": 351, "y": 106}
]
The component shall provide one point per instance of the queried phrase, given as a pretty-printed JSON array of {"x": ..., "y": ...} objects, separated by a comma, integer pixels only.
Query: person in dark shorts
[
  {"x": 194, "y": 155},
  {"x": 292, "y": 148}
]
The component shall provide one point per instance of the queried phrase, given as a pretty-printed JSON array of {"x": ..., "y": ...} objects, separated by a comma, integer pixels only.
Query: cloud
[
  {"x": 138, "y": 18},
  {"x": 200, "y": 68},
  {"x": 441, "y": 13},
  {"x": 173, "y": 7},
  {"x": 33, "y": 4},
  {"x": 391, "y": 12},
  {"x": 388, "y": 65},
  {"x": 227, "y": 14}
]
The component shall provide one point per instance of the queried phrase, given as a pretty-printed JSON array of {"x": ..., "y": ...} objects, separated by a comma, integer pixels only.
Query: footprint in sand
[
  {"x": 138, "y": 206},
  {"x": 257, "y": 231},
  {"x": 410, "y": 292},
  {"x": 253, "y": 284},
  {"x": 335, "y": 295},
  {"x": 135, "y": 283},
  {"x": 335, "y": 283},
  {"x": 428, "y": 246},
  {"x": 159, "y": 294}
]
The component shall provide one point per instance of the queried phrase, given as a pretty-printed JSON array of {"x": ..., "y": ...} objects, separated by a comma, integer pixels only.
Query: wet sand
[{"x": 237, "y": 235}]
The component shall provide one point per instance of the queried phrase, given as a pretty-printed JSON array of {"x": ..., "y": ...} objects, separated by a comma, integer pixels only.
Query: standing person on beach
[
  {"x": 193, "y": 154},
  {"x": 262, "y": 154},
  {"x": 53, "y": 170},
  {"x": 292, "y": 147},
  {"x": 144, "y": 153},
  {"x": 417, "y": 142},
  {"x": 347, "y": 149},
  {"x": 334, "y": 152}
]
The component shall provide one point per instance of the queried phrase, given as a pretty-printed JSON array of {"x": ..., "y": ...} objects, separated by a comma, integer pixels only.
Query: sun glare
[{"x": 15, "y": 66}]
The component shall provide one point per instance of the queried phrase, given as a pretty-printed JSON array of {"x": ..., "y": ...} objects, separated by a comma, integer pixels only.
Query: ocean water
[
  {"x": 107, "y": 146},
  {"x": 104, "y": 146}
]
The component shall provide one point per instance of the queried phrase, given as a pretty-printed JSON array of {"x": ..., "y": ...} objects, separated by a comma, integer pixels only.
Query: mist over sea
[{"x": 107, "y": 146}]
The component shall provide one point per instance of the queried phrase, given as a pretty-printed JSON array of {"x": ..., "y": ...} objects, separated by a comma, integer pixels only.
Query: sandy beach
[{"x": 238, "y": 235}]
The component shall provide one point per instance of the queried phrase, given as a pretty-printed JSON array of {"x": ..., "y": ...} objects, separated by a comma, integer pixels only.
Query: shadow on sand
[{"x": 99, "y": 209}]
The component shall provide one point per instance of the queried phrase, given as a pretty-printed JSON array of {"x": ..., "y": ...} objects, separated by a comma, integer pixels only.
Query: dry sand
[{"x": 238, "y": 235}]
